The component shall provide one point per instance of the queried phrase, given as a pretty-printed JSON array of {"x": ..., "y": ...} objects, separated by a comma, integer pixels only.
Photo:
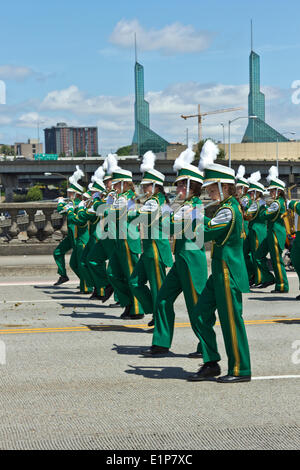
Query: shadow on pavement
[
  {"x": 158, "y": 372},
  {"x": 74, "y": 297},
  {"x": 288, "y": 322},
  {"x": 136, "y": 350},
  {"x": 70, "y": 303},
  {"x": 88, "y": 315},
  {"x": 58, "y": 288},
  {"x": 70, "y": 292},
  {"x": 273, "y": 298},
  {"x": 125, "y": 329}
]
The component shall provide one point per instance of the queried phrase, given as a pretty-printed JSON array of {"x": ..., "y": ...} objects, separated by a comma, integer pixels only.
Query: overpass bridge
[{"x": 25, "y": 172}]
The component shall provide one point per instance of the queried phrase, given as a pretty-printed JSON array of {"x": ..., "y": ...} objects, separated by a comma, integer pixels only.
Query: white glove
[
  {"x": 69, "y": 206},
  {"x": 165, "y": 208}
]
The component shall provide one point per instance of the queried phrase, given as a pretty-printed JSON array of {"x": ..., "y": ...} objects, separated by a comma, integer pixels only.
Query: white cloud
[
  {"x": 114, "y": 116},
  {"x": 15, "y": 72},
  {"x": 72, "y": 99},
  {"x": 5, "y": 120},
  {"x": 171, "y": 39}
]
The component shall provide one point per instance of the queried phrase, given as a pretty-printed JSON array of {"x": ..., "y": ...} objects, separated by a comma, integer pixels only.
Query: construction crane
[{"x": 200, "y": 115}]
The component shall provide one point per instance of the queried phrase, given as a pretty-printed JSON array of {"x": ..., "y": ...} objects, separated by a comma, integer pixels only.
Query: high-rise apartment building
[
  {"x": 144, "y": 138},
  {"x": 71, "y": 140}
]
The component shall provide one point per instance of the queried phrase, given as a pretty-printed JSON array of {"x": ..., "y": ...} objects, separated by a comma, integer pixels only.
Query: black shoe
[
  {"x": 108, "y": 291},
  {"x": 125, "y": 313},
  {"x": 251, "y": 282},
  {"x": 263, "y": 285},
  {"x": 155, "y": 351},
  {"x": 132, "y": 317},
  {"x": 206, "y": 372},
  {"x": 95, "y": 295},
  {"x": 298, "y": 297},
  {"x": 195, "y": 355},
  {"x": 231, "y": 379},
  {"x": 116, "y": 304},
  {"x": 61, "y": 280},
  {"x": 151, "y": 322}
]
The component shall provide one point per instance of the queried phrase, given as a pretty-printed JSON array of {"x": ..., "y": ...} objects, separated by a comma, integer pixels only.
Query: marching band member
[
  {"x": 258, "y": 232},
  {"x": 242, "y": 186},
  {"x": 81, "y": 233},
  {"x": 275, "y": 215},
  {"x": 189, "y": 271},
  {"x": 67, "y": 243},
  {"x": 294, "y": 206},
  {"x": 229, "y": 279},
  {"x": 156, "y": 255},
  {"x": 127, "y": 244},
  {"x": 105, "y": 246},
  {"x": 88, "y": 214}
]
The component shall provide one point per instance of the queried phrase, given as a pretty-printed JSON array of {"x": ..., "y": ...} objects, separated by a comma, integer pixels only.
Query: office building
[
  {"x": 144, "y": 138},
  {"x": 28, "y": 149},
  {"x": 258, "y": 130}
]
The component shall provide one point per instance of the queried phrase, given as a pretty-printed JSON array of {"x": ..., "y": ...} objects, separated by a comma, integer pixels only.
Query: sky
[{"x": 73, "y": 61}]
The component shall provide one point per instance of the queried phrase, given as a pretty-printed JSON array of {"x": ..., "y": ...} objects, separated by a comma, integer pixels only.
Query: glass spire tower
[
  {"x": 258, "y": 130},
  {"x": 144, "y": 138}
]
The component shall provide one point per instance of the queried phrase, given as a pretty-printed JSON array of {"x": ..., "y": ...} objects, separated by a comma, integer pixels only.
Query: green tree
[
  {"x": 221, "y": 155},
  {"x": 123, "y": 151},
  {"x": 19, "y": 198},
  {"x": 7, "y": 150},
  {"x": 81, "y": 153},
  {"x": 34, "y": 194},
  {"x": 62, "y": 188}
]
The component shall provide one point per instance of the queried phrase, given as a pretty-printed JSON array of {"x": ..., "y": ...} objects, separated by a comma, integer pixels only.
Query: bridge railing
[{"x": 30, "y": 223}]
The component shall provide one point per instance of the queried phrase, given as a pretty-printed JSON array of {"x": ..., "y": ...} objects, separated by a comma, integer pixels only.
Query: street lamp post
[
  {"x": 222, "y": 124},
  {"x": 229, "y": 144}
]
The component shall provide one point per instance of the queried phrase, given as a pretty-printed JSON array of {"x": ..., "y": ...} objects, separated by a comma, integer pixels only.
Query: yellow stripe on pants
[
  {"x": 130, "y": 264},
  {"x": 156, "y": 262},
  {"x": 194, "y": 293},
  {"x": 278, "y": 262},
  {"x": 258, "y": 270},
  {"x": 230, "y": 311}
]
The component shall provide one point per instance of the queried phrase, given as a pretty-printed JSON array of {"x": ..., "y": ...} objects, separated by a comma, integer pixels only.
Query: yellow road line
[{"x": 66, "y": 329}]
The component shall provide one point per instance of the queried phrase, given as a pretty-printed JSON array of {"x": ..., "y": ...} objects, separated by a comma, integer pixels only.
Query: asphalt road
[{"x": 72, "y": 377}]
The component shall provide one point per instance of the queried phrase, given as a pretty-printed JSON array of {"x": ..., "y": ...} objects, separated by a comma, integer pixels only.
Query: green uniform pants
[
  {"x": 59, "y": 255},
  {"x": 281, "y": 281},
  {"x": 221, "y": 293},
  {"x": 85, "y": 265},
  {"x": 178, "y": 280},
  {"x": 152, "y": 270},
  {"x": 248, "y": 257},
  {"x": 259, "y": 255},
  {"x": 120, "y": 268},
  {"x": 96, "y": 261},
  {"x": 75, "y": 264}
]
